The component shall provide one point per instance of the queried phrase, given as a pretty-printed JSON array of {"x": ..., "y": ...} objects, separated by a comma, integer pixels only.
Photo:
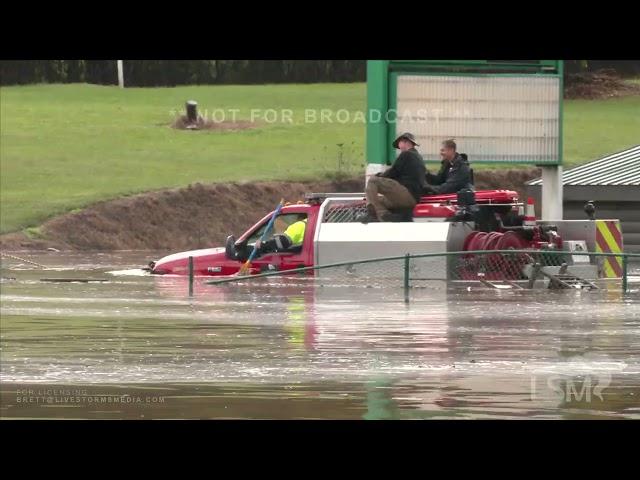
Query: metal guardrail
[{"x": 487, "y": 265}]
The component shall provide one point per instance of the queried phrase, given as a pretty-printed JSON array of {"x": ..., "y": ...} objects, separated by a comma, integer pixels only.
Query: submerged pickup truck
[{"x": 483, "y": 220}]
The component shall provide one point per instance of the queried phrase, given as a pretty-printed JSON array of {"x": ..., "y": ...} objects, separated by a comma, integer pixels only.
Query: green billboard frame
[{"x": 382, "y": 94}]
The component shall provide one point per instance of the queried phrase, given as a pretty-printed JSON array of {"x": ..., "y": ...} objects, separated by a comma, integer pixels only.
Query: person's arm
[
  {"x": 394, "y": 171},
  {"x": 438, "y": 178},
  {"x": 276, "y": 244},
  {"x": 429, "y": 190}
]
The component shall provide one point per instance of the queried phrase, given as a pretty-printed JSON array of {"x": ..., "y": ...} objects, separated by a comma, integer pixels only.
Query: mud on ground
[
  {"x": 183, "y": 123},
  {"x": 198, "y": 216}
]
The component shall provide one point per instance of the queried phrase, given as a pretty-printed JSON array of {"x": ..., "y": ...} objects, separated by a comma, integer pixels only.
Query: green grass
[
  {"x": 594, "y": 128},
  {"x": 66, "y": 146},
  {"x": 63, "y": 147},
  {"x": 33, "y": 232}
]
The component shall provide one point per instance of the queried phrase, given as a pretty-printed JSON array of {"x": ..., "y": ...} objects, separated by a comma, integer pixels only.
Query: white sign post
[
  {"x": 120, "y": 74},
  {"x": 552, "y": 192}
]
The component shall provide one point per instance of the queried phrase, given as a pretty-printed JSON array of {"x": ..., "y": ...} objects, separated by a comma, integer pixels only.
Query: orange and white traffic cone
[{"x": 530, "y": 214}]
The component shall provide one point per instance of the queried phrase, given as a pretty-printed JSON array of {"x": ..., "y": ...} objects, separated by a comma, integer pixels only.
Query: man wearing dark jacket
[
  {"x": 399, "y": 187},
  {"x": 454, "y": 174}
]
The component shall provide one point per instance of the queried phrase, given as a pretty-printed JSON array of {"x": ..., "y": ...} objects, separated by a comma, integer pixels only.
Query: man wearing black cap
[{"x": 400, "y": 187}]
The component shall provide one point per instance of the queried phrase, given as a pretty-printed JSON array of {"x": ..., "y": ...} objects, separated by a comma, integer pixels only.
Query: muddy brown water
[{"x": 137, "y": 347}]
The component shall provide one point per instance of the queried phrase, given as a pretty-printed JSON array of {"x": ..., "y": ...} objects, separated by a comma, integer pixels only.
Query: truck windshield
[{"x": 280, "y": 225}]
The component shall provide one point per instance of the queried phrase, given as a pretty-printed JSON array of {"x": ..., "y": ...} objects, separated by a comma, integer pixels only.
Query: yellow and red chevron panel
[{"x": 609, "y": 240}]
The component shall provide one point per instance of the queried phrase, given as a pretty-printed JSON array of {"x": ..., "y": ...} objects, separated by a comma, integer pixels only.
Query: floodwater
[{"x": 135, "y": 346}]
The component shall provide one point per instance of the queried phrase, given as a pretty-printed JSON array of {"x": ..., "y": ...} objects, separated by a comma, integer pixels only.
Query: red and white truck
[{"x": 489, "y": 220}]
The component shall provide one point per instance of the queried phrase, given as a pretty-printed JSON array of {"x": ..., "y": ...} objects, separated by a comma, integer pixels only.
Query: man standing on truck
[
  {"x": 399, "y": 187},
  {"x": 454, "y": 174}
]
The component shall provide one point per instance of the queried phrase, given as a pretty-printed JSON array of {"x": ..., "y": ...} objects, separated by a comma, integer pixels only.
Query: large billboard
[
  {"x": 492, "y": 118},
  {"x": 497, "y": 112}
]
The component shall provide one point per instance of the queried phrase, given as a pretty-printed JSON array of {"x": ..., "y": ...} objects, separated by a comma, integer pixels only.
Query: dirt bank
[{"x": 197, "y": 216}]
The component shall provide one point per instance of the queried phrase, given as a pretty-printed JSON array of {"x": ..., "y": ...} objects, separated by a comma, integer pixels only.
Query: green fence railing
[{"x": 513, "y": 267}]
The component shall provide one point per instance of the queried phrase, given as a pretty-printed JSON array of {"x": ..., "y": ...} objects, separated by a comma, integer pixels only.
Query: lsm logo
[
  {"x": 582, "y": 378},
  {"x": 570, "y": 388}
]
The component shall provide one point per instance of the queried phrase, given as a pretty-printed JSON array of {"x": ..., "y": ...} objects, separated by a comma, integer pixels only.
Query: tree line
[{"x": 167, "y": 73}]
